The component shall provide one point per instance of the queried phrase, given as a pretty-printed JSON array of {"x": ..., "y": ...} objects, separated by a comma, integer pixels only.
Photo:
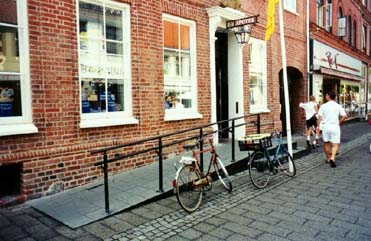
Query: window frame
[
  {"x": 364, "y": 37},
  {"x": 125, "y": 117},
  {"x": 184, "y": 113},
  {"x": 264, "y": 84},
  {"x": 21, "y": 124},
  {"x": 287, "y": 5}
]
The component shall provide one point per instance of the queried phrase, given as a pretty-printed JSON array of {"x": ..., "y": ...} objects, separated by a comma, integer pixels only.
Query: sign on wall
[{"x": 326, "y": 56}]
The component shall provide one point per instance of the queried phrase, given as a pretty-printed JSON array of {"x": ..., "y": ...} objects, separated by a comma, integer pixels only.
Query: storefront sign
[
  {"x": 94, "y": 70},
  {"x": 242, "y": 21},
  {"x": 328, "y": 57}
]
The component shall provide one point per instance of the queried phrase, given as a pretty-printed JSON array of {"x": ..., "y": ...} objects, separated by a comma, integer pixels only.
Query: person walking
[
  {"x": 311, "y": 110},
  {"x": 330, "y": 116}
]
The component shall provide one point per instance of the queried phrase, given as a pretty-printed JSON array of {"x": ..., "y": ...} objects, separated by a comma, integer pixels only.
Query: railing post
[
  {"x": 233, "y": 144},
  {"x": 201, "y": 149},
  {"x": 160, "y": 166},
  {"x": 106, "y": 194},
  {"x": 258, "y": 124}
]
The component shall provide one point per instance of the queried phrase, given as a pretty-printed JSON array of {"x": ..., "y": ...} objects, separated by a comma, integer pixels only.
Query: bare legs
[{"x": 330, "y": 150}]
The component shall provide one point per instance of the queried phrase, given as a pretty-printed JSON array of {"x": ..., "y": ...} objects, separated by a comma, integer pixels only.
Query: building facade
[
  {"x": 76, "y": 75},
  {"x": 340, "y": 33}
]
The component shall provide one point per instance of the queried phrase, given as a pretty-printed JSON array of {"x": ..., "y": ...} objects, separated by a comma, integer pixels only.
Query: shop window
[
  {"x": 15, "y": 91},
  {"x": 104, "y": 63},
  {"x": 257, "y": 75},
  {"x": 180, "y": 85},
  {"x": 290, "y": 5},
  {"x": 349, "y": 97}
]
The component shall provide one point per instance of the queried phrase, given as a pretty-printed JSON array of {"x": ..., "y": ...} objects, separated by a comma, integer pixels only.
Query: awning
[{"x": 340, "y": 74}]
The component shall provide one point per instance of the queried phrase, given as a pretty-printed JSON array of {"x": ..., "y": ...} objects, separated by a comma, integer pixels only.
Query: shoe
[
  {"x": 317, "y": 145},
  {"x": 332, "y": 163},
  {"x": 313, "y": 146},
  {"x": 308, "y": 144}
]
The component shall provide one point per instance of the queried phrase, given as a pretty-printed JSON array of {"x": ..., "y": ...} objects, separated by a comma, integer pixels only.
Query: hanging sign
[{"x": 242, "y": 21}]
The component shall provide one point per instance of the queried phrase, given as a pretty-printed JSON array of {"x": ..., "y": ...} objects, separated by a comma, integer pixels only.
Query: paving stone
[
  {"x": 312, "y": 216},
  {"x": 191, "y": 234},
  {"x": 327, "y": 228},
  {"x": 249, "y": 230},
  {"x": 353, "y": 227},
  {"x": 288, "y": 218},
  {"x": 99, "y": 230},
  {"x": 11, "y": 233},
  {"x": 41, "y": 232},
  {"x": 271, "y": 237},
  {"x": 301, "y": 237},
  {"x": 70, "y": 233},
  {"x": 339, "y": 216}
]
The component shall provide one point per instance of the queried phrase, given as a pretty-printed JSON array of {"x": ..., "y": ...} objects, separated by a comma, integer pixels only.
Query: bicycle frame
[
  {"x": 279, "y": 147},
  {"x": 213, "y": 157}
]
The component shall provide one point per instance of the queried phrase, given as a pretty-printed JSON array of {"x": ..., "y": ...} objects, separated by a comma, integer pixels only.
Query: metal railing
[{"x": 161, "y": 145}]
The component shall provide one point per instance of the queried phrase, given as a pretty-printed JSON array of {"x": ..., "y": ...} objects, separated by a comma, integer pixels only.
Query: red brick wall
[{"x": 61, "y": 149}]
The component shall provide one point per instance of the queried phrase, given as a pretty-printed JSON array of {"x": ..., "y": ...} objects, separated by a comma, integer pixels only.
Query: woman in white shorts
[{"x": 330, "y": 116}]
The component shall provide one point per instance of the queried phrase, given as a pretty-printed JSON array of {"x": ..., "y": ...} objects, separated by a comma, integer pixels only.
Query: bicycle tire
[
  {"x": 188, "y": 195},
  {"x": 259, "y": 170},
  {"x": 223, "y": 175},
  {"x": 283, "y": 163}
]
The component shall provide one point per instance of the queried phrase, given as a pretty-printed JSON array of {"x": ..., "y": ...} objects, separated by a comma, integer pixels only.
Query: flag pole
[{"x": 285, "y": 87}]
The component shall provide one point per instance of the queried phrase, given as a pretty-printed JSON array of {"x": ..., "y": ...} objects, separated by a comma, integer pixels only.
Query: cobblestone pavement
[{"x": 321, "y": 203}]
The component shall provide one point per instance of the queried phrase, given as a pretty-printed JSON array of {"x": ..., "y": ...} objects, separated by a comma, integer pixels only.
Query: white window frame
[
  {"x": 263, "y": 44},
  {"x": 91, "y": 120},
  {"x": 290, "y": 5},
  {"x": 328, "y": 18},
  {"x": 185, "y": 113},
  {"x": 21, "y": 124},
  {"x": 319, "y": 14}
]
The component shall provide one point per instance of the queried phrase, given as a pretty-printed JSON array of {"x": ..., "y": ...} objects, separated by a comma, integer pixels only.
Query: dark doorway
[
  {"x": 295, "y": 87},
  {"x": 10, "y": 179},
  {"x": 221, "y": 71},
  {"x": 330, "y": 84}
]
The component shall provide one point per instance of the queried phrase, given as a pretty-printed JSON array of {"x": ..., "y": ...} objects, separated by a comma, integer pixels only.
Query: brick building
[
  {"x": 340, "y": 33},
  {"x": 79, "y": 75}
]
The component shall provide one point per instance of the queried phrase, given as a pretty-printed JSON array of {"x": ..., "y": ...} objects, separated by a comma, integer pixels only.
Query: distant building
[
  {"x": 340, "y": 33},
  {"x": 84, "y": 74}
]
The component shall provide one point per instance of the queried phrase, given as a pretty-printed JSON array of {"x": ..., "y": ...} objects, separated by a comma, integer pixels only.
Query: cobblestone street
[{"x": 321, "y": 203}]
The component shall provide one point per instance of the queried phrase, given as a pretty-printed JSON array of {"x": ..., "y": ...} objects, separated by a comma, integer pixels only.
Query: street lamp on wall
[
  {"x": 242, "y": 28},
  {"x": 243, "y": 34}
]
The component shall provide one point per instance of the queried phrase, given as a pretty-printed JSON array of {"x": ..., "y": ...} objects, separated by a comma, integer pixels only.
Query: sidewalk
[
  {"x": 82, "y": 205},
  {"x": 321, "y": 203}
]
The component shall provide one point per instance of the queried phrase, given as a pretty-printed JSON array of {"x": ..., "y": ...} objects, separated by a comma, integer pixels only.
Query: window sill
[
  {"x": 293, "y": 11},
  {"x": 259, "y": 110},
  {"x": 17, "y": 129},
  {"x": 182, "y": 116},
  {"x": 92, "y": 123}
]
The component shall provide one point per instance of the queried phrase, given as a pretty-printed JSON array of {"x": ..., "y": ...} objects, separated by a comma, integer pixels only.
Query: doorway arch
[{"x": 297, "y": 93}]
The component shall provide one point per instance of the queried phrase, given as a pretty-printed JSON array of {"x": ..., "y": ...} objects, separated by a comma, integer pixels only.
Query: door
[{"x": 221, "y": 71}]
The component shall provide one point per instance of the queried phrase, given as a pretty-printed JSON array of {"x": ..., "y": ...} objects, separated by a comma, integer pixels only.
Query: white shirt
[
  {"x": 330, "y": 112},
  {"x": 309, "y": 108}
]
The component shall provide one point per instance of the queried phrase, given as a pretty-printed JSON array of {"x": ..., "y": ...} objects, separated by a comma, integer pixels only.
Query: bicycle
[
  {"x": 190, "y": 182},
  {"x": 261, "y": 164}
]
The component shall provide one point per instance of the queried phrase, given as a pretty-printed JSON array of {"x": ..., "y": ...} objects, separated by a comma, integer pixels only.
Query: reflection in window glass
[
  {"x": 257, "y": 74},
  {"x": 8, "y": 12},
  {"x": 101, "y": 58},
  {"x": 10, "y": 96},
  {"x": 177, "y": 65},
  {"x": 9, "y": 49}
]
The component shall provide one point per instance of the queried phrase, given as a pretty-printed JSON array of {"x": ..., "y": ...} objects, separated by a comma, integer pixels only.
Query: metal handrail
[{"x": 159, "y": 147}]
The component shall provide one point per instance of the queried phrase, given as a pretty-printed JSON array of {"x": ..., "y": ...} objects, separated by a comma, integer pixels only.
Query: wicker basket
[{"x": 255, "y": 142}]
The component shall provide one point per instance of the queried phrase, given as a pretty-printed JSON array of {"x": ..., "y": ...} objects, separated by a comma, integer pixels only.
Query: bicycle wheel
[
  {"x": 222, "y": 173},
  {"x": 189, "y": 196},
  {"x": 284, "y": 161},
  {"x": 259, "y": 170}
]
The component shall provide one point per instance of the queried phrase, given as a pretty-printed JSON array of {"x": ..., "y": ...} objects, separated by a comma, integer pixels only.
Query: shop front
[{"x": 341, "y": 73}]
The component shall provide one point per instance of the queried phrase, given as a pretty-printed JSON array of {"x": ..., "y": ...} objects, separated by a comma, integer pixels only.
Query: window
[
  {"x": 258, "y": 75},
  {"x": 364, "y": 37},
  {"x": 319, "y": 12},
  {"x": 180, "y": 86},
  {"x": 369, "y": 45},
  {"x": 290, "y": 5},
  {"x": 354, "y": 34},
  {"x": 104, "y": 63},
  {"x": 341, "y": 24},
  {"x": 349, "y": 30},
  {"x": 15, "y": 90},
  {"x": 328, "y": 24}
]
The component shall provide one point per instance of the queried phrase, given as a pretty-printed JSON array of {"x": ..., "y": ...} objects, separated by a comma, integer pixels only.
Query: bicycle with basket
[{"x": 262, "y": 164}]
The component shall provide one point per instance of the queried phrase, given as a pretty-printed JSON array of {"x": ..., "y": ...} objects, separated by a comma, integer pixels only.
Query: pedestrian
[
  {"x": 311, "y": 110},
  {"x": 330, "y": 116}
]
